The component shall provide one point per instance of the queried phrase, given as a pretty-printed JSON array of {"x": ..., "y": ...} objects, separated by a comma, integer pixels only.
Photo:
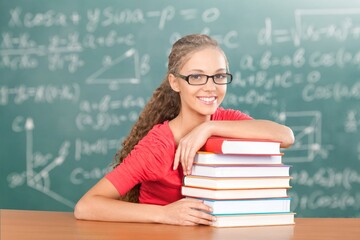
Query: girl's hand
[
  {"x": 189, "y": 145},
  {"x": 187, "y": 212}
]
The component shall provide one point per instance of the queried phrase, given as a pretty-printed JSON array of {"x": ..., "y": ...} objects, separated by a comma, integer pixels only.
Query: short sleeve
[
  {"x": 229, "y": 114},
  {"x": 150, "y": 160}
]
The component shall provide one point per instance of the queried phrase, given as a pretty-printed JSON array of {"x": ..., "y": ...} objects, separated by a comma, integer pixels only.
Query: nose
[{"x": 210, "y": 85}]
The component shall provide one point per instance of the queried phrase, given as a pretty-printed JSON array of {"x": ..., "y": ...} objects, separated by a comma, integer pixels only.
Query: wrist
[
  {"x": 159, "y": 214},
  {"x": 210, "y": 128}
]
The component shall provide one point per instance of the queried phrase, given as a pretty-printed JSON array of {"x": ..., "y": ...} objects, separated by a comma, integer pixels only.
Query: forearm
[
  {"x": 106, "y": 209},
  {"x": 257, "y": 129},
  {"x": 182, "y": 212}
]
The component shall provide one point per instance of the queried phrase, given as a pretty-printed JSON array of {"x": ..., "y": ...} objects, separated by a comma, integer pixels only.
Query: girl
[{"x": 145, "y": 185}]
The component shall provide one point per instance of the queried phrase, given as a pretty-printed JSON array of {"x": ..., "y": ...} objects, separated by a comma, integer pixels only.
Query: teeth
[{"x": 207, "y": 99}]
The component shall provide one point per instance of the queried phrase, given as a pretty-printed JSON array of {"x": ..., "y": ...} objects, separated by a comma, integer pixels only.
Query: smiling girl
[{"x": 145, "y": 184}]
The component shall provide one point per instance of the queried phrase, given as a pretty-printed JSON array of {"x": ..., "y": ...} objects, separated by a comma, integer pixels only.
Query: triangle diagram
[{"x": 122, "y": 70}]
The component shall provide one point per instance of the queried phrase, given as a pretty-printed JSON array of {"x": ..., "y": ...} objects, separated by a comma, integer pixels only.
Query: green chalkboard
[{"x": 74, "y": 76}]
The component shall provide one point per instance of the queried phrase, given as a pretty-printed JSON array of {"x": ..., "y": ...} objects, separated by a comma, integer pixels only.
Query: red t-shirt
[{"x": 150, "y": 163}]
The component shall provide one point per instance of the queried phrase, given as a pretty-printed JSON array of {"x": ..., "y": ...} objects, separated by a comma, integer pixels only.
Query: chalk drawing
[
  {"x": 40, "y": 180},
  {"x": 99, "y": 76},
  {"x": 307, "y": 128}
]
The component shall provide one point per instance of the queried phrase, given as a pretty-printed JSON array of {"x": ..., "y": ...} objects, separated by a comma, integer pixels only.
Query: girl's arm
[
  {"x": 102, "y": 203},
  {"x": 256, "y": 129}
]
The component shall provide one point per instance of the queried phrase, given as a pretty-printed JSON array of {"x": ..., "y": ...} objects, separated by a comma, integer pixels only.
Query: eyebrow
[{"x": 200, "y": 70}]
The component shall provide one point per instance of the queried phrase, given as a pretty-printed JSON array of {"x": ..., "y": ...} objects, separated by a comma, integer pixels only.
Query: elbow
[
  {"x": 288, "y": 138},
  {"x": 81, "y": 210}
]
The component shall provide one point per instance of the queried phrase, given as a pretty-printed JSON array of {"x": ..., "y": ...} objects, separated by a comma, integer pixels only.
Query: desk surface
[{"x": 19, "y": 224}]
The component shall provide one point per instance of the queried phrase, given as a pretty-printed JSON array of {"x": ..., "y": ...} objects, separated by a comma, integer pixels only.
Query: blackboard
[{"x": 75, "y": 75}]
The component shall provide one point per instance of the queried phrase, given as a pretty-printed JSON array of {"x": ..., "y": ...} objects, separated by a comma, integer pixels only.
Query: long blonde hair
[{"x": 165, "y": 103}]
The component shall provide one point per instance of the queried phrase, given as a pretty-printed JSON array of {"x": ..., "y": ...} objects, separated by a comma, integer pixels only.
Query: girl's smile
[{"x": 208, "y": 100}]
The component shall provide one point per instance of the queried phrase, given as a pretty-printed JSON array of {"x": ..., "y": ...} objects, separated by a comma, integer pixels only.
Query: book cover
[
  {"x": 233, "y": 193},
  {"x": 236, "y": 183},
  {"x": 249, "y": 206},
  {"x": 223, "y": 145},
  {"x": 207, "y": 170},
  {"x": 248, "y": 220},
  {"x": 213, "y": 158}
]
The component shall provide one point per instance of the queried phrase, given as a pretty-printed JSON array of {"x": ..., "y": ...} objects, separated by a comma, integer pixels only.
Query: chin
[{"x": 208, "y": 111}]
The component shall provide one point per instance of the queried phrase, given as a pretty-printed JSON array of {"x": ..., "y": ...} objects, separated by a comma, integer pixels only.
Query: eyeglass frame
[{"x": 186, "y": 78}]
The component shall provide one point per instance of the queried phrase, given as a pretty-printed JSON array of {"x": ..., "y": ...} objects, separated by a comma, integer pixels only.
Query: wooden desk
[{"x": 18, "y": 224}]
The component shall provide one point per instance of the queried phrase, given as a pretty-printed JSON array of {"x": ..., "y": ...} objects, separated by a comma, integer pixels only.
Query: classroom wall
[{"x": 74, "y": 76}]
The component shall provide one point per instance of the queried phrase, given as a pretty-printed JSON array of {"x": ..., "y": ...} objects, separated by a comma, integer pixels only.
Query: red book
[{"x": 223, "y": 145}]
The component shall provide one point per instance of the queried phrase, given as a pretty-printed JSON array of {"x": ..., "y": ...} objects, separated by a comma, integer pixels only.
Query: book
[
  {"x": 241, "y": 146},
  {"x": 233, "y": 193},
  {"x": 249, "y": 206},
  {"x": 213, "y": 158},
  {"x": 279, "y": 232},
  {"x": 207, "y": 170},
  {"x": 247, "y": 220},
  {"x": 243, "y": 180},
  {"x": 236, "y": 183}
]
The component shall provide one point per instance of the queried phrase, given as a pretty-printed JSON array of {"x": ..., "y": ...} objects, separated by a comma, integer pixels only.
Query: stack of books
[{"x": 244, "y": 181}]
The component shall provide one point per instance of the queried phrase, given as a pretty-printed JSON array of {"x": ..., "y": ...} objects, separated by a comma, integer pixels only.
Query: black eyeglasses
[{"x": 202, "y": 79}]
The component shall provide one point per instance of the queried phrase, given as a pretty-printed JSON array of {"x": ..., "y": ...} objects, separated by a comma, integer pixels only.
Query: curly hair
[{"x": 165, "y": 102}]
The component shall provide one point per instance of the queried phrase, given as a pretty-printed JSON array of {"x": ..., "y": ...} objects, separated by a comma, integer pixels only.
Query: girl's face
[{"x": 201, "y": 99}]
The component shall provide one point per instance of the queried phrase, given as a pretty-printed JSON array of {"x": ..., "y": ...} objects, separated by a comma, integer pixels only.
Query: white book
[
  {"x": 234, "y": 193},
  {"x": 279, "y": 232},
  {"x": 274, "y": 170},
  {"x": 249, "y": 206},
  {"x": 236, "y": 183},
  {"x": 247, "y": 220},
  {"x": 213, "y": 158}
]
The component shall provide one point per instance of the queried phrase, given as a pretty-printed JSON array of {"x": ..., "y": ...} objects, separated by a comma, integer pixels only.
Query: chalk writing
[
  {"x": 104, "y": 121},
  {"x": 262, "y": 79},
  {"x": 337, "y": 91},
  {"x": 62, "y": 52},
  {"x": 321, "y": 200},
  {"x": 39, "y": 94},
  {"x": 341, "y": 28},
  {"x": 352, "y": 122},
  {"x": 107, "y": 103},
  {"x": 100, "y": 146},
  {"x": 327, "y": 178},
  {"x": 43, "y": 19},
  {"x": 80, "y": 175}
]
